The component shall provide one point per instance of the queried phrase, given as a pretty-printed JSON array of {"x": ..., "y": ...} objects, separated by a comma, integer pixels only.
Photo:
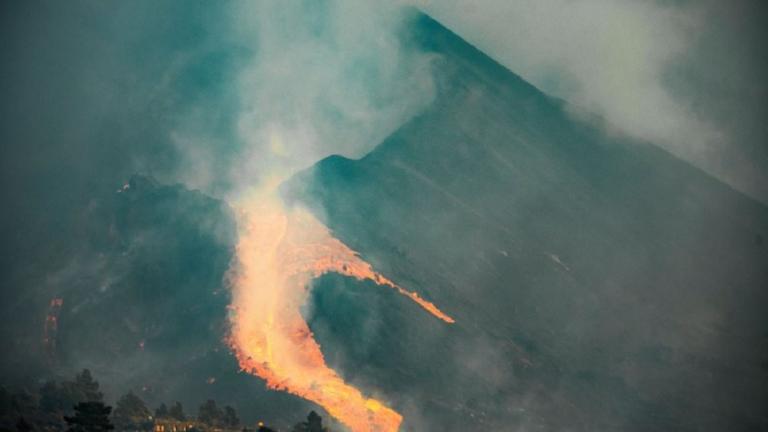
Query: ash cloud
[
  {"x": 688, "y": 76},
  {"x": 320, "y": 78}
]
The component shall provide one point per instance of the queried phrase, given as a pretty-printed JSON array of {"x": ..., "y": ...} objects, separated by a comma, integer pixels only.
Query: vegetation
[
  {"x": 90, "y": 417},
  {"x": 177, "y": 412},
  {"x": 132, "y": 414},
  {"x": 78, "y": 406},
  {"x": 314, "y": 423}
]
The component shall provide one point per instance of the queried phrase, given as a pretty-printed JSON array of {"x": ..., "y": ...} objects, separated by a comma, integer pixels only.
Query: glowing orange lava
[{"x": 279, "y": 252}]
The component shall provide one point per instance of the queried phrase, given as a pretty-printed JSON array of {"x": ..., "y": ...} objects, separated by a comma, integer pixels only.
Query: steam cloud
[
  {"x": 330, "y": 78},
  {"x": 325, "y": 78},
  {"x": 655, "y": 70}
]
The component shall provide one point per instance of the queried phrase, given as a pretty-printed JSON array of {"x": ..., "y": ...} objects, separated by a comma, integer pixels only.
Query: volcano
[
  {"x": 597, "y": 282},
  {"x": 503, "y": 261}
]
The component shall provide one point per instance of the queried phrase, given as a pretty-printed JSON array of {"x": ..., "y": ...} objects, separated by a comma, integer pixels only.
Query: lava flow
[{"x": 279, "y": 252}]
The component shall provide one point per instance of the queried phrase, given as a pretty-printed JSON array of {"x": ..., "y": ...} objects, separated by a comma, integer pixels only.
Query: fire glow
[{"x": 279, "y": 252}]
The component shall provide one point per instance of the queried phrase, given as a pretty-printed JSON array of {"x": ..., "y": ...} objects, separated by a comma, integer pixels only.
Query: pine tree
[
  {"x": 52, "y": 399},
  {"x": 162, "y": 411},
  {"x": 88, "y": 387},
  {"x": 230, "y": 419},
  {"x": 90, "y": 417},
  {"x": 210, "y": 414},
  {"x": 177, "y": 412},
  {"x": 54, "y": 404},
  {"x": 131, "y": 413},
  {"x": 314, "y": 423},
  {"x": 23, "y": 405}
]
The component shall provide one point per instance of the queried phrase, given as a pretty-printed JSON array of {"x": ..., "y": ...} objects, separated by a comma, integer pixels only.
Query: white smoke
[
  {"x": 624, "y": 60},
  {"x": 326, "y": 78}
]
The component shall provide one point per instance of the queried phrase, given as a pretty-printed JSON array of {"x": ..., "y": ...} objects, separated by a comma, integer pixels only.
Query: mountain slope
[
  {"x": 140, "y": 281},
  {"x": 598, "y": 283}
]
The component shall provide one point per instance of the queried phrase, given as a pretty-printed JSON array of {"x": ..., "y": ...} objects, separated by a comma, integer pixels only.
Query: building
[{"x": 173, "y": 425}]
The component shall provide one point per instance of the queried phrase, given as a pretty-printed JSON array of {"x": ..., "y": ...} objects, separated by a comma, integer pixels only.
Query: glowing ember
[
  {"x": 279, "y": 252},
  {"x": 51, "y": 328}
]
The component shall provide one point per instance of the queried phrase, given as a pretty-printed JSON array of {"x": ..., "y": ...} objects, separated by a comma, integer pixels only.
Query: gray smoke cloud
[
  {"x": 688, "y": 76},
  {"x": 315, "y": 79},
  {"x": 323, "y": 78}
]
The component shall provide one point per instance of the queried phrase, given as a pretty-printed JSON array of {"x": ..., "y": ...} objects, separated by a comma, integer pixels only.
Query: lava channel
[{"x": 279, "y": 252}]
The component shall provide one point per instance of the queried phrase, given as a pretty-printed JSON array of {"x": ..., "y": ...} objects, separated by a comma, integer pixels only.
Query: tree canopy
[
  {"x": 230, "y": 419},
  {"x": 162, "y": 411},
  {"x": 90, "y": 417},
  {"x": 177, "y": 412},
  {"x": 131, "y": 413},
  {"x": 209, "y": 413},
  {"x": 314, "y": 423}
]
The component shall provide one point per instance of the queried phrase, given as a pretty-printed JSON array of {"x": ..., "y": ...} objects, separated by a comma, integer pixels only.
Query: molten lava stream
[{"x": 279, "y": 252}]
